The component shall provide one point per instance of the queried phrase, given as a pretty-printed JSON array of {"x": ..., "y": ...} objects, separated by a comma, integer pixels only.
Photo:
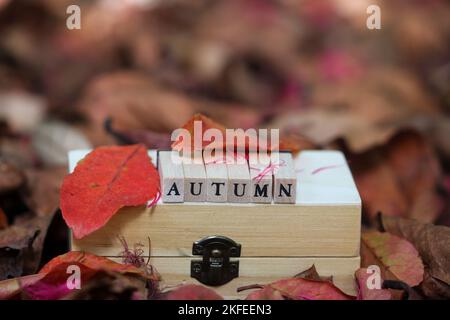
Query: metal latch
[{"x": 215, "y": 268}]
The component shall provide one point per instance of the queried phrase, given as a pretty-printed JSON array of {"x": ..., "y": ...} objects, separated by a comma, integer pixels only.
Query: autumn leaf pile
[{"x": 310, "y": 68}]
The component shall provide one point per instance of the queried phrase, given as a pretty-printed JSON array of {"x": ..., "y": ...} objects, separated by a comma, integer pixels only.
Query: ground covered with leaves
[{"x": 137, "y": 71}]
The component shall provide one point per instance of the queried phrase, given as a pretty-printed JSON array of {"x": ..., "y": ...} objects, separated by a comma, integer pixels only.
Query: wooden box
[{"x": 276, "y": 240}]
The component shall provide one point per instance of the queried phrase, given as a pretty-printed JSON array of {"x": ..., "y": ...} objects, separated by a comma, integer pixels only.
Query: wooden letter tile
[
  {"x": 238, "y": 183},
  {"x": 194, "y": 182},
  {"x": 285, "y": 180},
  {"x": 172, "y": 178},
  {"x": 261, "y": 183},
  {"x": 216, "y": 182}
]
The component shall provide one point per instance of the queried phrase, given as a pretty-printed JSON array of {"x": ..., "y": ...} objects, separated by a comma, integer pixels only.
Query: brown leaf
[
  {"x": 11, "y": 177},
  {"x": 417, "y": 171},
  {"x": 400, "y": 179},
  {"x": 312, "y": 274},
  {"x": 396, "y": 257},
  {"x": 42, "y": 190},
  {"x": 134, "y": 101},
  {"x": 433, "y": 244},
  {"x": 378, "y": 188},
  {"x": 21, "y": 246}
]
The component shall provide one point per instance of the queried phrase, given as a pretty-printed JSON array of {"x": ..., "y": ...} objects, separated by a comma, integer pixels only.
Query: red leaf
[
  {"x": 398, "y": 257},
  {"x": 366, "y": 293},
  {"x": 54, "y": 284},
  {"x": 193, "y": 292},
  {"x": 108, "y": 179}
]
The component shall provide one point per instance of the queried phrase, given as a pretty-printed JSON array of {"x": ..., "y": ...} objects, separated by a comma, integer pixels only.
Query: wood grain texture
[
  {"x": 176, "y": 271},
  {"x": 262, "y": 230}
]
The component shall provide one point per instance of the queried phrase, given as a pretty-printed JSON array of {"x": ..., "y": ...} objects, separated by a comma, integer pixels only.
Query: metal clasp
[{"x": 215, "y": 268}]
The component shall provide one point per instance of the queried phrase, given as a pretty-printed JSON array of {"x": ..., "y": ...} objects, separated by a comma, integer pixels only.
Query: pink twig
[
  {"x": 270, "y": 169},
  {"x": 154, "y": 201}
]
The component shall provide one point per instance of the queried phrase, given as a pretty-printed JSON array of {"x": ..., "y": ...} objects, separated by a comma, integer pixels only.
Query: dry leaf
[
  {"x": 396, "y": 257},
  {"x": 433, "y": 244}
]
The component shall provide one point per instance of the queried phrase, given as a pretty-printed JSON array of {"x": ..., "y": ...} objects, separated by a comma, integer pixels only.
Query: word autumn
[{"x": 220, "y": 181}]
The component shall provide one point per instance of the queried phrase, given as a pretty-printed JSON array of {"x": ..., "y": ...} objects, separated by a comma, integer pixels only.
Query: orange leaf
[{"x": 93, "y": 262}]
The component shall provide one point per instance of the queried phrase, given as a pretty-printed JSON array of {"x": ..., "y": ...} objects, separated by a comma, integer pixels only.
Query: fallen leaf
[
  {"x": 21, "y": 246},
  {"x": 51, "y": 281},
  {"x": 192, "y": 292},
  {"x": 206, "y": 124},
  {"x": 151, "y": 139},
  {"x": 106, "y": 180},
  {"x": 366, "y": 293},
  {"x": 312, "y": 274},
  {"x": 41, "y": 192},
  {"x": 397, "y": 258},
  {"x": 378, "y": 188},
  {"x": 266, "y": 293},
  {"x": 53, "y": 285},
  {"x": 416, "y": 168},
  {"x": 11, "y": 177},
  {"x": 110, "y": 286},
  {"x": 95, "y": 263},
  {"x": 10, "y": 288},
  {"x": 134, "y": 100},
  {"x": 300, "y": 289},
  {"x": 399, "y": 179},
  {"x": 433, "y": 244},
  {"x": 288, "y": 141}
]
